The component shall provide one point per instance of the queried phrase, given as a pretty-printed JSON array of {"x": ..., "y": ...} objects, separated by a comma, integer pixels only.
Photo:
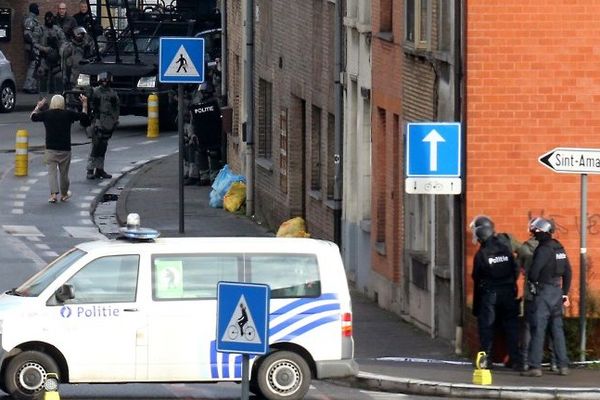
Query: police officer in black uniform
[
  {"x": 495, "y": 274},
  {"x": 549, "y": 282}
]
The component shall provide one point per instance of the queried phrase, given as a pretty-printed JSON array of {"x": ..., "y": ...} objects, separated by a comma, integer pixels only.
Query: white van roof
[{"x": 212, "y": 244}]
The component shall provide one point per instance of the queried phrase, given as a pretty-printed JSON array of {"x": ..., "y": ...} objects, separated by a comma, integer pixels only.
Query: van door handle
[{"x": 130, "y": 309}]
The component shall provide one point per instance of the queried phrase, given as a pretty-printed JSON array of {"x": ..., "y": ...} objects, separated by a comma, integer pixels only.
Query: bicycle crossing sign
[
  {"x": 181, "y": 60},
  {"x": 243, "y": 317}
]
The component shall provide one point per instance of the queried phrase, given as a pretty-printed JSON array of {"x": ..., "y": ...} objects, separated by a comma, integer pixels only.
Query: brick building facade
[
  {"x": 533, "y": 84},
  {"x": 294, "y": 109}
]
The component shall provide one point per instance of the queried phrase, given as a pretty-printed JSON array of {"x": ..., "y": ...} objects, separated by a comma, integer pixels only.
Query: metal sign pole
[
  {"x": 181, "y": 150},
  {"x": 245, "y": 376},
  {"x": 583, "y": 269}
]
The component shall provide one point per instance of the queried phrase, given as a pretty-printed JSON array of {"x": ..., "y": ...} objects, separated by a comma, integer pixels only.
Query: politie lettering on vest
[{"x": 497, "y": 259}]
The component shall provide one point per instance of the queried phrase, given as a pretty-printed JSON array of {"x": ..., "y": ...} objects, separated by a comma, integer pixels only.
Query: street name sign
[
  {"x": 243, "y": 317},
  {"x": 572, "y": 160},
  {"x": 433, "y": 158},
  {"x": 181, "y": 60}
]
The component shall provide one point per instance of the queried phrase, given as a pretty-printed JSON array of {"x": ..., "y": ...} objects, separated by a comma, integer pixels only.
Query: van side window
[
  {"x": 192, "y": 276},
  {"x": 111, "y": 279},
  {"x": 288, "y": 275}
]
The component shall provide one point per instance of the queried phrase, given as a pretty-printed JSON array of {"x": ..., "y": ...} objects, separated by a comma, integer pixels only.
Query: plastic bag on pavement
[
  {"x": 214, "y": 200},
  {"x": 235, "y": 197},
  {"x": 223, "y": 181},
  {"x": 294, "y": 227}
]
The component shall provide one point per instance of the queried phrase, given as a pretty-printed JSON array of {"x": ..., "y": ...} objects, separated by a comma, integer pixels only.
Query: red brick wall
[
  {"x": 533, "y": 84},
  {"x": 387, "y": 189}
]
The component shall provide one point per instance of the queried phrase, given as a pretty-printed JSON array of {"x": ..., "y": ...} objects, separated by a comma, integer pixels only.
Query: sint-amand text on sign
[{"x": 572, "y": 160}]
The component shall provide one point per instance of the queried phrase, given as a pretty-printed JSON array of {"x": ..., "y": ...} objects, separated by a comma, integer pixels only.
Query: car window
[
  {"x": 192, "y": 276},
  {"x": 107, "y": 279},
  {"x": 288, "y": 275}
]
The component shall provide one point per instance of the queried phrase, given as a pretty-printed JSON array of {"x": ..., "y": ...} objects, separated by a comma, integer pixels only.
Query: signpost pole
[
  {"x": 181, "y": 150},
  {"x": 583, "y": 269},
  {"x": 245, "y": 376}
]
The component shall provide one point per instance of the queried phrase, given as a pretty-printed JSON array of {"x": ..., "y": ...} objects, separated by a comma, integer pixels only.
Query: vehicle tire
[
  {"x": 26, "y": 373},
  {"x": 8, "y": 97},
  {"x": 283, "y": 375}
]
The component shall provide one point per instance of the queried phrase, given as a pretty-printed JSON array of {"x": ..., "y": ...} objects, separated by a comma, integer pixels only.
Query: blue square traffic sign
[
  {"x": 433, "y": 149},
  {"x": 243, "y": 317},
  {"x": 181, "y": 60}
]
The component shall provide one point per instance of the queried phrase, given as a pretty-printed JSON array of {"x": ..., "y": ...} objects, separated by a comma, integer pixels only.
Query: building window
[
  {"x": 417, "y": 14},
  {"x": 265, "y": 131},
  {"x": 385, "y": 15},
  {"x": 315, "y": 149},
  {"x": 332, "y": 156},
  {"x": 283, "y": 150}
]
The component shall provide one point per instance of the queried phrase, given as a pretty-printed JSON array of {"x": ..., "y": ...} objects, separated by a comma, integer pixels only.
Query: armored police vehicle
[
  {"x": 128, "y": 49},
  {"x": 139, "y": 310}
]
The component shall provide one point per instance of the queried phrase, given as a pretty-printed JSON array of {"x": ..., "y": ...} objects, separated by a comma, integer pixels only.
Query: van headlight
[
  {"x": 83, "y": 80},
  {"x": 148, "y": 82}
]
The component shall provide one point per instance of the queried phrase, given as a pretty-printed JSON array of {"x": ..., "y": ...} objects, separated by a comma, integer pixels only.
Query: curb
[{"x": 390, "y": 384}]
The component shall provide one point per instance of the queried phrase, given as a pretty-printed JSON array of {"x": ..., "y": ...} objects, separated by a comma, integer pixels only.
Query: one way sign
[
  {"x": 572, "y": 160},
  {"x": 181, "y": 60}
]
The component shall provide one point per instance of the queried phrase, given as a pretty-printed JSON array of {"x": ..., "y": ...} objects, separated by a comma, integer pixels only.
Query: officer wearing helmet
[
  {"x": 204, "y": 138},
  {"x": 549, "y": 282},
  {"x": 32, "y": 35},
  {"x": 524, "y": 259},
  {"x": 104, "y": 103},
  {"x": 78, "y": 48},
  {"x": 495, "y": 274}
]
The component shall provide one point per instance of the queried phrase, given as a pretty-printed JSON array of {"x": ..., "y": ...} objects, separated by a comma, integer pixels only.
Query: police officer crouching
[
  {"x": 104, "y": 103},
  {"x": 495, "y": 274},
  {"x": 549, "y": 281}
]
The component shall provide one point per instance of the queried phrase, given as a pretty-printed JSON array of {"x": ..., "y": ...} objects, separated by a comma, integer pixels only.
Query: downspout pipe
[
  {"x": 338, "y": 132},
  {"x": 249, "y": 103},
  {"x": 224, "y": 49}
]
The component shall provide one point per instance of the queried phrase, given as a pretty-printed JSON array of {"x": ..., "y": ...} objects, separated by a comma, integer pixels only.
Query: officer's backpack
[
  {"x": 500, "y": 264},
  {"x": 560, "y": 256}
]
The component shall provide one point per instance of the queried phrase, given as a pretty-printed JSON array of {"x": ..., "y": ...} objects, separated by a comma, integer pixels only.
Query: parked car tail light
[{"x": 347, "y": 324}]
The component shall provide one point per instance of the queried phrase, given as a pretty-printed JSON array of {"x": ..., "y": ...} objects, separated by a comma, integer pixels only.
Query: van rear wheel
[
  {"x": 283, "y": 375},
  {"x": 26, "y": 374}
]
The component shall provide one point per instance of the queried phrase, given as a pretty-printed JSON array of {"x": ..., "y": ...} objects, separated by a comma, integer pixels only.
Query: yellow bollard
[
  {"x": 481, "y": 375},
  {"x": 51, "y": 387},
  {"x": 152, "y": 116},
  {"x": 21, "y": 153}
]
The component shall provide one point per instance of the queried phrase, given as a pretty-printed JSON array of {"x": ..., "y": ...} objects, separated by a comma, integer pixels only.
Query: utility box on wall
[{"x": 5, "y": 24}]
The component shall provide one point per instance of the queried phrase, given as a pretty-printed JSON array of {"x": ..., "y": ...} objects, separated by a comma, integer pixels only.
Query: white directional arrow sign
[
  {"x": 433, "y": 138},
  {"x": 572, "y": 160}
]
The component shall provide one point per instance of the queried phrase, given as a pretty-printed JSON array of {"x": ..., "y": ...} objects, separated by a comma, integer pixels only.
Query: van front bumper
[{"x": 336, "y": 368}]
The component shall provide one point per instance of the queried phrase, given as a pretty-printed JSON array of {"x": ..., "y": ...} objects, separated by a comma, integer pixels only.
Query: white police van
[{"x": 145, "y": 311}]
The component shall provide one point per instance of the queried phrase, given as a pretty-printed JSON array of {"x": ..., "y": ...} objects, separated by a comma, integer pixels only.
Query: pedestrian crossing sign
[
  {"x": 181, "y": 60},
  {"x": 242, "y": 317}
]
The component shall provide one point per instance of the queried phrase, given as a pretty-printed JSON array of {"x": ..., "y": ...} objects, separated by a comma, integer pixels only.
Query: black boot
[
  {"x": 90, "y": 174},
  {"x": 100, "y": 173}
]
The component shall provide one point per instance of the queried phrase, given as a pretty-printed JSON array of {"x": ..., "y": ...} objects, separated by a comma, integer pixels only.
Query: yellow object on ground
[
  {"x": 21, "y": 153},
  {"x": 294, "y": 227},
  {"x": 235, "y": 197},
  {"x": 152, "y": 116},
  {"x": 481, "y": 376}
]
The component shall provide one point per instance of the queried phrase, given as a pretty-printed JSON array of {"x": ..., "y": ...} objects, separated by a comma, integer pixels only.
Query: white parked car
[{"x": 8, "y": 93}]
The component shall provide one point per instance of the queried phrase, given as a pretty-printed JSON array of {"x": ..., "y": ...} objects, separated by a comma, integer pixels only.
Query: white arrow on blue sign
[{"x": 433, "y": 150}]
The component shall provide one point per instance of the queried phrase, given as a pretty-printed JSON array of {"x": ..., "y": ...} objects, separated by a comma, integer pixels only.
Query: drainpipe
[
  {"x": 249, "y": 103},
  {"x": 224, "y": 65},
  {"x": 339, "y": 140}
]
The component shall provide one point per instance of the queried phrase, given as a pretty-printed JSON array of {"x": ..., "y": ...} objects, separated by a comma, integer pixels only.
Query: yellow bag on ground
[
  {"x": 235, "y": 197},
  {"x": 294, "y": 227}
]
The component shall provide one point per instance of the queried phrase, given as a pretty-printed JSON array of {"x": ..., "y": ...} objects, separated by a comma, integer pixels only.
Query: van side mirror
[{"x": 64, "y": 293}]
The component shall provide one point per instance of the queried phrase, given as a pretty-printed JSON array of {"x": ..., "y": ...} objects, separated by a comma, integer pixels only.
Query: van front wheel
[
  {"x": 26, "y": 374},
  {"x": 283, "y": 375}
]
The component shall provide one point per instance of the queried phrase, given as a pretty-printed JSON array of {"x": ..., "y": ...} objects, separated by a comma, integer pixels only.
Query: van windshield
[{"x": 40, "y": 281}]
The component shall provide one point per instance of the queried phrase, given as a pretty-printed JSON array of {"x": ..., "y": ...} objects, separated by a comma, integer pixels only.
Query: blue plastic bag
[{"x": 221, "y": 185}]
